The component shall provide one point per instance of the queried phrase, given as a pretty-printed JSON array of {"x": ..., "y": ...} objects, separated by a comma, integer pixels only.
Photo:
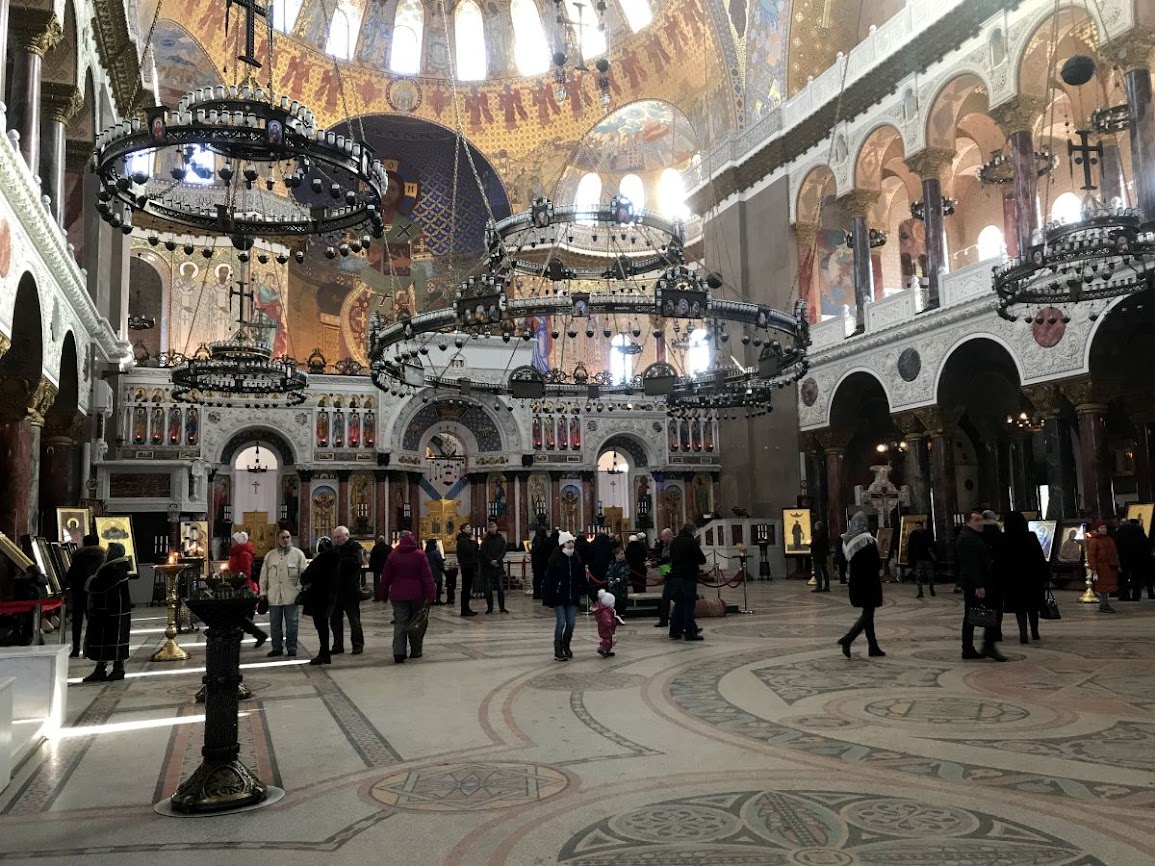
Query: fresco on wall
[
  {"x": 767, "y": 22},
  {"x": 185, "y": 66},
  {"x": 835, "y": 272},
  {"x": 646, "y": 136}
]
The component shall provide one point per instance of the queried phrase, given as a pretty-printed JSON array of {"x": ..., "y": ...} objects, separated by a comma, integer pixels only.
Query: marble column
[
  {"x": 1095, "y": 457},
  {"x": 856, "y": 205},
  {"x": 381, "y": 498},
  {"x": 834, "y": 444},
  {"x": 806, "y": 236},
  {"x": 23, "y": 405},
  {"x": 1025, "y": 491},
  {"x": 1010, "y": 224},
  {"x": 1137, "y": 82},
  {"x": 61, "y": 102},
  {"x": 1112, "y": 184},
  {"x": 343, "y": 496},
  {"x": 929, "y": 165},
  {"x": 305, "y": 512},
  {"x": 32, "y": 33},
  {"x": 478, "y": 494},
  {"x": 1144, "y": 459},
  {"x": 555, "y": 502},
  {"x": 992, "y": 466},
  {"x": 939, "y": 423},
  {"x": 59, "y": 479},
  {"x": 1058, "y": 454},
  {"x": 1017, "y": 117}
]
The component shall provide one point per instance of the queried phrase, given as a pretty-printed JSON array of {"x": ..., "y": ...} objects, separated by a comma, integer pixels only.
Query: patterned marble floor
[{"x": 760, "y": 745}]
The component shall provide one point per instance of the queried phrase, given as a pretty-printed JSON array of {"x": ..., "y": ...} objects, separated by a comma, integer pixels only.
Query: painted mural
[
  {"x": 768, "y": 23},
  {"x": 649, "y": 135},
  {"x": 182, "y": 62}
]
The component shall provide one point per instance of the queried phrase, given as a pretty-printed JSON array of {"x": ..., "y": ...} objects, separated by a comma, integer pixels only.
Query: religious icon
[
  {"x": 796, "y": 530},
  {"x": 1071, "y": 548},
  {"x": 274, "y": 132},
  {"x": 550, "y": 434},
  {"x": 73, "y": 524},
  {"x": 1045, "y": 531},
  {"x": 562, "y": 433},
  {"x": 156, "y": 128},
  {"x": 575, "y": 433},
  {"x": 118, "y": 528},
  {"x": 536, "y": 431},
  {"x": 194, "y": 537},
  {"x": 1143, "y": 512}
]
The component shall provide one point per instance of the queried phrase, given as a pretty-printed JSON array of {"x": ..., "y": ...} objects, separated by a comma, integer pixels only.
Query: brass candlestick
[{"x": 171, "y": 650}]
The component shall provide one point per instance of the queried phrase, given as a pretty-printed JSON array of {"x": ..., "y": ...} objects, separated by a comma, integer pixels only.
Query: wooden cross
[
  {"x": 243, "y": 295},
  {"x": 252, "y": 10}
]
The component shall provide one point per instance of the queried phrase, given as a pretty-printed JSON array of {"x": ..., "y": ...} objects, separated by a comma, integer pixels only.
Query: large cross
[
  {"x": 252, "y": 10},
  {"x": 1086, "y": 155},
  {"x": 243, "y": 295},
  {"x": 256, "y": 487}
]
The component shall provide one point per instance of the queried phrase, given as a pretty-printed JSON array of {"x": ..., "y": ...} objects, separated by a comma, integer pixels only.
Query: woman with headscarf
[
  {"x": 109, "y": 616},
  {"x": 1103, "y": 562},
  {"x": 864, "y": 565},
  {"x": 564, "y": 585},
  {"x": 1026, "y": 572},
  {"x": 320, "y": 582}
]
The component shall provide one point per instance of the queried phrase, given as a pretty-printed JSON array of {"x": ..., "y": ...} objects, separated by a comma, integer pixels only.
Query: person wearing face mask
[
  {"x": 564, "y": 585},
  {"x": 280, "y": 584}
]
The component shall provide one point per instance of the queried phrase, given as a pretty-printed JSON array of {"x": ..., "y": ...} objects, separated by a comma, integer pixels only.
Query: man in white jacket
[{"x": 280, "y": 583}]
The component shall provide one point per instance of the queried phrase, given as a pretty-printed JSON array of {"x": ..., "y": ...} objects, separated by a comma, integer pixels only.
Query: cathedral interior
[{"x": 611, "y": 267}]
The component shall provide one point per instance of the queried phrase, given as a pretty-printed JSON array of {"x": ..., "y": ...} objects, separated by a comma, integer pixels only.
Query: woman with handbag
[
  {"x": 977, "y": 576},
  {"x": 407, "y": 582},
  {"x": 864, "y": 565},
  {"x": 1027, "y": 574}
]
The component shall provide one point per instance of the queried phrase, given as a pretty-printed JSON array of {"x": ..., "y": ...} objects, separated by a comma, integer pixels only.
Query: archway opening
[
  {"x": 255, "y": 470},
  {"x": 613, "y": 488}
]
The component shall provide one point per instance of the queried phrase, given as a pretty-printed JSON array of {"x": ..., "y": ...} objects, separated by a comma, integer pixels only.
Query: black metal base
[{"x": 218, "y": 787}]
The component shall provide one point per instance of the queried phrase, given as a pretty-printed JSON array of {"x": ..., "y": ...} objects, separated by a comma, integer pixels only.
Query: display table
[{"x": 46, "y": 606}]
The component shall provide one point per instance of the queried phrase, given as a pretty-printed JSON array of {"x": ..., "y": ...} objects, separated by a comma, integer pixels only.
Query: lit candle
[{"x": 172, "y": 558}]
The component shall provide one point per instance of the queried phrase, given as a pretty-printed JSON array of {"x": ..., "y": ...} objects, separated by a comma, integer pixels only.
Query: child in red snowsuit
[{"x": 608, "y": 621}]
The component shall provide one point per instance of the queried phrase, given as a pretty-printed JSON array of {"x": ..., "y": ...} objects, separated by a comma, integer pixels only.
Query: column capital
[
  {"x": 1131, "y": 50},
  {"x": 1018, "y": 114},
  {"x": 66, "y": 427},
  {"x": 305, "y": 475},
  {"x": 930, "y": 163},
  {"x": 938, "y": 420},
  {"x": 37, "y": 31},
  {"x": 61, "y": 102},
  {"x": 1086, "y": 395},
  {"x": 858, "y": 202},
  {"x": 909, "y": 424},
  {"x": 26, "y": 399},
  {"x": 1047, "y": 398},
  {"x": 343, "y": 474},
  {"x": 832, "y": 440}
]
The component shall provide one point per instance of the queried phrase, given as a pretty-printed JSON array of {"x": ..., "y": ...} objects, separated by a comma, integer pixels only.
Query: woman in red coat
[
  {"x": 241, "y": 562},
  {"x": 1103, "y": 561},
  {"x": 407, "y": 582}
]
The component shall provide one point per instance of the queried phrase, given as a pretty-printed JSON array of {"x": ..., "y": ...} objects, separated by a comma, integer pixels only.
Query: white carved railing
[
  {"x": 968, "y": 283},
  {"x": 888, "y": 312}
]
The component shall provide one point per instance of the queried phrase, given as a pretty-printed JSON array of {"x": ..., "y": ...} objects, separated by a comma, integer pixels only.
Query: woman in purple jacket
[{"x": 407, "y": 581}]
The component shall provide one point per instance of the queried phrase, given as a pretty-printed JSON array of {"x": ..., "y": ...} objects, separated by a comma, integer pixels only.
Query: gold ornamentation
[
  {"x": 1132, "y": 50},
  {"x": 930, "y": 163},
  {"x": 1018, "y": 114},
  {"x": 61, "y": 102},
  {"x": 37, "y": 31},
  {"x": 42, "y": 398},
  {"x": 170, "y": 651},
  {"x": 859, "y": 202},
  {"x": 909, "y": 424}
]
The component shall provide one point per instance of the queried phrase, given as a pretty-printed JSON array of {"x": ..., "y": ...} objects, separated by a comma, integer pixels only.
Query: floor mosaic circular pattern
[
  {"x": 814, "y": 828},
  {"x": 469, "y": 787},
  {"x": 589, "y": 682},
  {"x": 946, "y": 711}
]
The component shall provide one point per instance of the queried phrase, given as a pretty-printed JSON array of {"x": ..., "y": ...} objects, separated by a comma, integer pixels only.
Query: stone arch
[
  {"x": 1032, "y": 56},
  {"x": 67, "y": 401},
  {"x": 817, "y": 185},
  {"x": 952, "y": 101},
  {"x": 493, "y": 430},
  {"x": 960, "y": 348},
  {"x": 844, "y": 388},
  {"x": 244, "y": 437},
  {"x": 25, "y": 358},
  {"x": 636, "y": 447},
  {"x": 882, "y": 145},
  {"x": 1121, "y": 342}
]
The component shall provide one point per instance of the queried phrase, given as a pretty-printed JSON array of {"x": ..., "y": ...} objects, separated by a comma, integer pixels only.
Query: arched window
[
  {"x": 638, "y": 13},
  {"x": 469, "y": 33},
  {"x": 621, "y": 363},
  {"x": 530, "y": 47},
  {"x": 632, "y": 188},
  {"x": 285, "y": 14},
  {"x": 593, "y": 40},
  {"x": 589, "y": 194},
  {"x": 991, "y": 244},
  {"x": 698, "y": 354},
  {"x": 1068, "y": 208},
  {"x": 672, "y": 194},
  {"x": 408, "y": 30},
  {"x": 342, "y": 35}
]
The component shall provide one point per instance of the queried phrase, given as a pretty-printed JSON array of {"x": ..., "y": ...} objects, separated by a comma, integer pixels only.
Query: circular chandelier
[
  {"x": 1107, "y": 254},
  {"x": 240, "y": 371},
  {"x": 999, "y": 170},
  {"x": 263, "y": 140},
  {"x": 638, "y": 260}
]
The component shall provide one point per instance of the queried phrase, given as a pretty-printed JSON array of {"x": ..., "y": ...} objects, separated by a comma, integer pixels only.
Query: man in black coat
[
  {"x": 686, "y": 558},
  {"x": 353, "y": 559},
  {"x": 377, "y": 557},
  {"x": 491, "y": 559},
  {"x": 976, "y": 573},
  {"x": 1134, "y": 561},
  {"x": 920, "y": 556},
  {"x": 539, "y": 553},
  {"x": 467, "y": 562},
  {"x": 601, "y": 554},
  {"x": 85, "y": 563},
  {"x": 636, "y": 557}
]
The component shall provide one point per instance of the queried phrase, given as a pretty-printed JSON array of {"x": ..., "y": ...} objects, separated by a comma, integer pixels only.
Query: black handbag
[
  {"x": 263, "y": 605},
  {"x": 982, "y": 615},
  {"x": 419, "y": 623},
  {"x": 1050, "y": 608}
]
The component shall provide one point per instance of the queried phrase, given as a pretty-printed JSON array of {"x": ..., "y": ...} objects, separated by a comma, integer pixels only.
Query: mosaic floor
[{"x": 761, "y": 745}]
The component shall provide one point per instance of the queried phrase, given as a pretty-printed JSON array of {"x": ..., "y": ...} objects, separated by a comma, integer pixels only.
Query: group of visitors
[{"x": 98, "y": 584}]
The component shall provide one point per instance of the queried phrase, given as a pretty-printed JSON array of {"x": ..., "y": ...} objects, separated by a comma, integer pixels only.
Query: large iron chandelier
[
  {"x": 333, "y": 186},
  {"x": 1108, "y": 253},
  {"x": 570, "y": 43},
  {"x": 636, "y": 260}
]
